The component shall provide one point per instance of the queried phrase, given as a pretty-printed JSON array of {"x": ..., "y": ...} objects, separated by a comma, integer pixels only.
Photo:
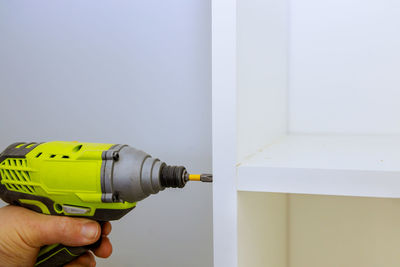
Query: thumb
[{"x": 47, "y": 230}]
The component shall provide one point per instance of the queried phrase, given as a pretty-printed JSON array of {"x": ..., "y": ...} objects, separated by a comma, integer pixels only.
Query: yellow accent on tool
[
  {"x": 194, "y": 177},
  {"x": 36, "y": 203}
]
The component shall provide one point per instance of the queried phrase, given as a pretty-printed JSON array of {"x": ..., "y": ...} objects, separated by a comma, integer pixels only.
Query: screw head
[{"x": 115, "y": 156}]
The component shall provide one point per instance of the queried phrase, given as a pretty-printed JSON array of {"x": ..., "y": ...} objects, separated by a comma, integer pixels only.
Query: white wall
[
  {"x": 124, "y": 72},
  {"x": 344, "y": 62}
]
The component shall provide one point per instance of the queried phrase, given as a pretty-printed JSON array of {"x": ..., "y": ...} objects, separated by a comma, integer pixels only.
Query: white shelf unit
[
  {"x": 306, "y": 133},
  {"x": 325, "y": 164}
]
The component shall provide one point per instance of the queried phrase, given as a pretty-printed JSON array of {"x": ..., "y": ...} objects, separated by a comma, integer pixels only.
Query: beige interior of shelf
[{"x": 288, "y": 230}]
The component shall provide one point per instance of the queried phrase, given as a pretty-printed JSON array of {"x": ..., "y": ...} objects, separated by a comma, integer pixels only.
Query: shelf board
[{"x": 322, "y": 164}]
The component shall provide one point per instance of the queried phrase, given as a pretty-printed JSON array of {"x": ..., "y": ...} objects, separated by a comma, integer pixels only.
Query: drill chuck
[{"x": 173, "y": 176}]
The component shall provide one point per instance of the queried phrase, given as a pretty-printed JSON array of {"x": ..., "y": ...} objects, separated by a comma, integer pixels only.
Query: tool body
[{"x": 102, "y": 182}]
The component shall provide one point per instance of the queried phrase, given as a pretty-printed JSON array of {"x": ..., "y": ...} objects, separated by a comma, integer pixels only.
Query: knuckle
[{"x": 63, "y": 224}]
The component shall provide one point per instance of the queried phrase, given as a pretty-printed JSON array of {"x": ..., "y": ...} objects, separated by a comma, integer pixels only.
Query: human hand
[{"x": 23, "y": 232}]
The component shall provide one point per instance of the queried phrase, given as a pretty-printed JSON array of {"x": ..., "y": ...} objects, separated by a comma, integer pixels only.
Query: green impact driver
[{"x": 102, "y": 182}]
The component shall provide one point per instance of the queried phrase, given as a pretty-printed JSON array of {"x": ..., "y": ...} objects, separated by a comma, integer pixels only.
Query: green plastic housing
[{"x": 58, "y": 178}]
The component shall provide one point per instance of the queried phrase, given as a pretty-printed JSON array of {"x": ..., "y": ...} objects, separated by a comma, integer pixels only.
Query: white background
[
  {"x": 344, "y": 67},
  {"x": 134, "y": 72}
]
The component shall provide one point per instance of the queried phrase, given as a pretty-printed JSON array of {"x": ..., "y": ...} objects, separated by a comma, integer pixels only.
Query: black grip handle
[{"x": 58, "y": 254}]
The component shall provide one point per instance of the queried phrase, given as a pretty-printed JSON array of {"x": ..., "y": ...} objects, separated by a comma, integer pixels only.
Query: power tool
[{"x": 102, "y": 182}]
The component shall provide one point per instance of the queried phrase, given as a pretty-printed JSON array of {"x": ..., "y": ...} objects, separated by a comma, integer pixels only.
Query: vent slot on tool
[{"x": 15, "y": 175}]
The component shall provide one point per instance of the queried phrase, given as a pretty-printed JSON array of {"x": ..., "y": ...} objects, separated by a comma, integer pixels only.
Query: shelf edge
[{"x": 319, "y": 181}]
